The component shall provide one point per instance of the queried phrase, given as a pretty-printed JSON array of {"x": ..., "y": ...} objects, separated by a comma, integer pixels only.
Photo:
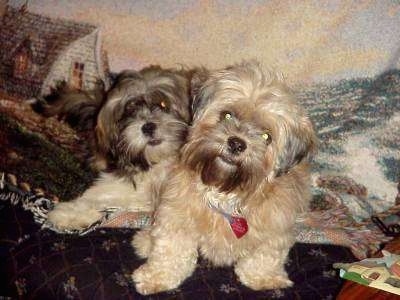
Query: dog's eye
[
  {"x": 132, "y": 106},
  {"x": 266, "y": 137},
  {"x": 163, "y": 105},
  {"x": 226, "y": 115}
]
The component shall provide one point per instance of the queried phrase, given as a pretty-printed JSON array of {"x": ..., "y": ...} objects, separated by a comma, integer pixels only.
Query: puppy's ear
[
  {"x": 299, "y": 144},
  {"x": 198, "y": 79},
  {"x": 103, "y": 157},
  {"x": 106, "y": 130}
]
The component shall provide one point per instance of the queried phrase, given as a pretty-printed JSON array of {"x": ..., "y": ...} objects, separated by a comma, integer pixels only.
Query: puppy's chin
[
  {"x": 225, "y": 163},
  {"x": 224, "y": 173},
  {"x": 158, "y": 150}
]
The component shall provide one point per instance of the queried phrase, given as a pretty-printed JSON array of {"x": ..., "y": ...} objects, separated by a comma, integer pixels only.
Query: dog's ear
[
  {"x": 106, "y": 125},
  {"x": 299, "y": 144},
  {"x": 198, "y": 99},
  {"x": 106, "y": 130}
]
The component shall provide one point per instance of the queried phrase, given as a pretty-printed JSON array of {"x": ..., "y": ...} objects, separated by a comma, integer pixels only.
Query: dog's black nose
[
  {"x": 236, "y": 145},
  {"x": 149, "y": 128}
]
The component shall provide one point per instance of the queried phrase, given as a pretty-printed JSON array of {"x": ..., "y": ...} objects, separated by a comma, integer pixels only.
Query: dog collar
[{"x": 230, "y": 210}]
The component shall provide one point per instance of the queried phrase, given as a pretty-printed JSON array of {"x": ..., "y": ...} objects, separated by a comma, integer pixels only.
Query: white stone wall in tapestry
[{"x": 80, "y": 59}]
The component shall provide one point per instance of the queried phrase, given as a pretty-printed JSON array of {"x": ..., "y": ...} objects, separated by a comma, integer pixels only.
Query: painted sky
[{"x": 307, "y": 41}]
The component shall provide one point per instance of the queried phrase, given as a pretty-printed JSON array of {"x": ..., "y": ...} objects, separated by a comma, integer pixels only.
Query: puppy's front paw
[
  {"x": 149, "y": 280},
  {"x": 141, "y": 242},
  {"x": 256, "y": 282},
  {"x": 67, "y": 216}
]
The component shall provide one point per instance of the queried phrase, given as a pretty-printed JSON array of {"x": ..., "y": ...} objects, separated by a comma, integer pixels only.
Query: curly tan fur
[{"x": 265, "y": 168}]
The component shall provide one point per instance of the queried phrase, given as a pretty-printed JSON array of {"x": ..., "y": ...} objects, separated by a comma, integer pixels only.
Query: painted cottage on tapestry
[{"x": 38, "y": 51}]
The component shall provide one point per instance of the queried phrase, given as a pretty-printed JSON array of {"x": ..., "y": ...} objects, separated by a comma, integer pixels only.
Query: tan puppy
[{"x": 242, "y": 180}]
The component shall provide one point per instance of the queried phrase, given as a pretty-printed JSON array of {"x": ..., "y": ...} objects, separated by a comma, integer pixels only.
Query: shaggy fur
[
  {"x": 139, "y": 128},
  {"x": 250, "y": 143},
  {"x": 79, "y": 108}
]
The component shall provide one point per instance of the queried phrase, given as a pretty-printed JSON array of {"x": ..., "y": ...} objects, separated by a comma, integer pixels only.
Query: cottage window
[
  {"x": 77, "y": 75},
  {"x": 21, "y": 63}
]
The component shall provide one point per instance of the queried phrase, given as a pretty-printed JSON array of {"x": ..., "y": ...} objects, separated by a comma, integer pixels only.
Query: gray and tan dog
[
  {"x": 242, "y": 180},
  {"x": 140, "y": 125}
]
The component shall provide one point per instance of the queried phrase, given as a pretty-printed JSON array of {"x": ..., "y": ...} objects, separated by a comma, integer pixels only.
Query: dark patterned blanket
[{"x": 41, "y": 264}]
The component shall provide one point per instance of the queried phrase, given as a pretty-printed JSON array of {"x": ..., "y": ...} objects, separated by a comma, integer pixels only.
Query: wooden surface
[{"x": 352, "y": 290}]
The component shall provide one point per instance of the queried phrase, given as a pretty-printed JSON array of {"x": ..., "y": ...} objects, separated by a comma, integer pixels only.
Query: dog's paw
[
  {"x": 66, "y": 216},
  {"x": 141, "y": 242},
  {"x": 149, "y": 280},
  {"x": 266, "y": 282}
]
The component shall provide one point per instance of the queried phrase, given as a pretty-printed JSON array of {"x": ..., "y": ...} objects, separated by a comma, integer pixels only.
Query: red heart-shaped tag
[{"x": 239, "y": 226}]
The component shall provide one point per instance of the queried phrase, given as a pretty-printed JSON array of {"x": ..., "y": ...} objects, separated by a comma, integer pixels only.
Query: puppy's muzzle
[{"x": 236, "y": 145}]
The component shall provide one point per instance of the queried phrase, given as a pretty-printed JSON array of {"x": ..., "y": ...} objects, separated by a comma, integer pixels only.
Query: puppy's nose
[
  {"x": 236, "y": 145},
  {"x": 149, "y": 128}
]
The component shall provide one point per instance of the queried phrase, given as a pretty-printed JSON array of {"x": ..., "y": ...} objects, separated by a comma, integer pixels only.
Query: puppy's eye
[
  {"x": 163, "y": 105},
  {"x": 266, "y": 137},
  {"x": 226, "y": 115},
  {"x": 133, "y": 105}
]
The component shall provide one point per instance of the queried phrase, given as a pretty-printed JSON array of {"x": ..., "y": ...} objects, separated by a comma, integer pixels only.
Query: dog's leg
[
  {"x": 83, "y": 211},
  {"x": 142, "y": 243},
  {"x": 172, "y": 259},
  {"x": 108, "y": 191},
  {"x": 263, "y": 268},
  {"x": 76, "y": 214}
]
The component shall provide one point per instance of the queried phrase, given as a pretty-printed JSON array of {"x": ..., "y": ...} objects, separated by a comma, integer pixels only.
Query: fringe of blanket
[{"x": 331, "y": 226}]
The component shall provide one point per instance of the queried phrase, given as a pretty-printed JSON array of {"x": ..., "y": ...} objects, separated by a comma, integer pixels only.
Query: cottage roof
[{"x": 45, "y": 37}]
